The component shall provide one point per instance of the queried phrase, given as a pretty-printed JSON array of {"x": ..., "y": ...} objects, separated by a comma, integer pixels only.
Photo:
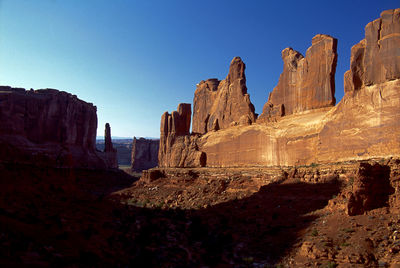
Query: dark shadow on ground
[
  {"x": 263, "y": 226},
  {"x": 52, "y": 217}
]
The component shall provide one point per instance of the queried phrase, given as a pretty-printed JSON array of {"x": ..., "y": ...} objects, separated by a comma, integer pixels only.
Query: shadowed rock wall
[
  {"x": 144, "y": 154},
  {"x": 49, "y": 127}
]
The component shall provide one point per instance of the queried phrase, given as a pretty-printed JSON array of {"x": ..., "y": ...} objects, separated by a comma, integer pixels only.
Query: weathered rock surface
[
  {"x": 48, "y": 127},
  {"x": 177, "y": 147},
  {"x": 144, "y": 154},
  {"x": 178, "y": 122},
  {"x": 47, "y": 115},
  {"x": 362, "y": 126},
  {"x": 306, "y": 82},
  {"x": 376, "y": 58},
  {"x": 371, "y": 189},
  {"x": 220, "y": 104}
]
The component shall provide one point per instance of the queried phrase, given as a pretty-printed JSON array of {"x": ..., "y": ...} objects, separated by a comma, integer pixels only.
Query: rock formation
[
  {"x": 108, "y": 146},
  {"x": 110, "y": 152},
  {"x": 48, "y": 127},
  {"x": 177, "y": 147},
  {"x": 144, "y": 154},
  {"x": 362, "y": 126},
  {"x": 376, "y": 59},
  {"x": 47, "y": 115},
  {"x": 371, "y": 188},
  {"x": 220, "y": 104},
  {"x": 305, "y": 83}
]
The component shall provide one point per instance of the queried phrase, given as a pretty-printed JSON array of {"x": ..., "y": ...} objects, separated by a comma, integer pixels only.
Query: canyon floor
[{"x": 206, "y": 217}]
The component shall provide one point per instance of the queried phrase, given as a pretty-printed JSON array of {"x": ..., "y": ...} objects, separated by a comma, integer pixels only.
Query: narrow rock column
[{"x": 108, "y": 147}]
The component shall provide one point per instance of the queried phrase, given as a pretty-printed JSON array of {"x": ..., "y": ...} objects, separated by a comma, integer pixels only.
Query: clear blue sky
[{"x": 137, "y": 59}]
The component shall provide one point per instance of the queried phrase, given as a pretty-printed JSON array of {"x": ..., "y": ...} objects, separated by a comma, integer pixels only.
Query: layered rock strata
[
  {"x": 364, "y": 125},
  {"x": 48, "y": 127},
  {"x": 221, "y": 104},
  {"x": 177, "y": 147},
  {"x": 306, "y": 82},
  {"x": 144, "y": 154}
]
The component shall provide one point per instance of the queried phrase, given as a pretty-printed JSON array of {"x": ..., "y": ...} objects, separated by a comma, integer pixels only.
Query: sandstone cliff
[
  {"x": 220, "y": 104},
  {"x": 48, "y": 127},
  {"x": 363, "y": 125},
  {"x": 177, "y": 147},
  {"x": 376, "y": 59},
  {"x": 144, "y": 154},
  {"x": 306, "y": 82}
]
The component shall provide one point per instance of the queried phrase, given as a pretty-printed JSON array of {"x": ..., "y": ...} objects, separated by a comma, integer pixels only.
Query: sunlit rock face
[
  {"x": 221, "y": 104},
  {"x": 177, "y": 147},
  {"x": 299, "y": 124},
  {"x": 306, "y": 83},
  {"x": 376, "y": 59},
  {"x": 48, "y": 127}
]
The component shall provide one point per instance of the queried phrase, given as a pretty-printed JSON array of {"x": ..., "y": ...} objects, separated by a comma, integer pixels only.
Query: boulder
[
  {"x": 220, "y": 104},
  {"x": 306, "y": 82}
]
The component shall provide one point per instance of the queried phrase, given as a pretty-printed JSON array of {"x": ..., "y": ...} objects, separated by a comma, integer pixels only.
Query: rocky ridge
[{"x": 300, "y": 125}]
